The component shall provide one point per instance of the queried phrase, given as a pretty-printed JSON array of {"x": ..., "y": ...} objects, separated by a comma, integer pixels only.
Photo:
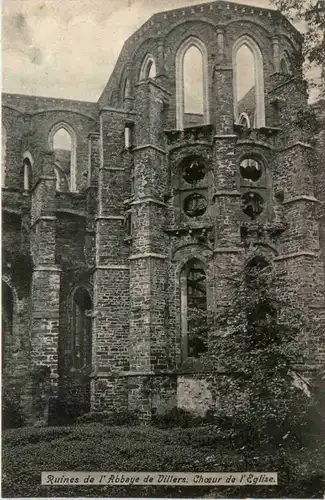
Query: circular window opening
[
  {"x": 250, "y": 169},
  {"x": 193, "y": 169},
  {"x": 252, "y": 204},
  {"x": 195, "y": 205}
]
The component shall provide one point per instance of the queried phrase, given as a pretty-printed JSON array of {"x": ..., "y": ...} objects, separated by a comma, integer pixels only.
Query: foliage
[
  {"x": 109, "y": 418},
  {"x": 312, "y": 14},
  {"x": 256, "y": 345},
  {"x": 95, "y": 447},
  {"x": 11, "y": 411},
  {"x": 178, "y": 417}
]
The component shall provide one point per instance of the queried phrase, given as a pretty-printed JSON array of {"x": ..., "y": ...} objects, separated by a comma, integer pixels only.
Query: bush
[
  {"x": 11, "y": 412},
  {"x": 108, "y": 418}
]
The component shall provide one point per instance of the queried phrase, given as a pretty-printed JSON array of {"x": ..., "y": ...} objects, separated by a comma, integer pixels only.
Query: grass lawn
[{"x": 98, "y": 447}]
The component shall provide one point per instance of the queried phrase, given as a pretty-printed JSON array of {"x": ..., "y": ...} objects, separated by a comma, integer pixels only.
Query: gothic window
[
  {"x": 195, "y": 205},
  {"x": 63, "y": 143},
  {"x": 81, "y": 330},
  {"x": 244, "y": 120},
  {"x": 3, "y": 154},
  {"x": 191, "y": 84},
  {"x": 194, "y": 309},
  {"x": 128, "y": 136},
  {"x": 7, "y": 320},
  {"x": 27, "y": 171},
  {"x": 127, "y": 88},
  {"x": 284, "y": 66},
  {"x": 148, "y": 68},
  {"x": 248, "y": 81}
]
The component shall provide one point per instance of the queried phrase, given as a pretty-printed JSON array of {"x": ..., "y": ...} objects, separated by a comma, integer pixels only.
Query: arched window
[
  {"x": 148, "y": 68},
  {"x": 244, "y": 120},
  {"x": 27, "y": 170},
  {"x": 63, "y": 143},
  {"x": 7, "y": 321},
  {"x": 3, "y": 154},
  {"x": 81, "y": 344},
  {"x": 248, "y": 81},
  {"x": 192, "y": 106},
  {"x": 193, "y": 309}
]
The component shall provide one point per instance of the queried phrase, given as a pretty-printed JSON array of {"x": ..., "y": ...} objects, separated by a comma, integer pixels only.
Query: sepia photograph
[{"x": 163, "y": 249}]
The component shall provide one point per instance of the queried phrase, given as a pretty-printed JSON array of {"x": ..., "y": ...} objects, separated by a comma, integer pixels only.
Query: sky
[{"x": 68, "y": 48}]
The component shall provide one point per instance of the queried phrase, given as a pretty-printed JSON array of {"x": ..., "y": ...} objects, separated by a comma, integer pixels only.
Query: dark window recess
[
  {"x": 250, "y": 169},
  {"x": 252, "y": 204},
  {"x": 195, "y": 205},
  {"x": 81, "y": 338},
  {"x": 193, "y": 169},
  {"x": 196, "y": 311},
  {"x": 258, "y": 263}
]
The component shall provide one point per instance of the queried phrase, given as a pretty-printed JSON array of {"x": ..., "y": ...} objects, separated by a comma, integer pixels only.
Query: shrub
[
  {"x": 177, "y": 417},
  {"x": 11, "y": 411},
  {"x": 109, "y": 418}
]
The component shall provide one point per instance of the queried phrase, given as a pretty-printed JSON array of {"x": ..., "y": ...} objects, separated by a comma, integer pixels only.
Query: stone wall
[{"x": 125, "y": 236}]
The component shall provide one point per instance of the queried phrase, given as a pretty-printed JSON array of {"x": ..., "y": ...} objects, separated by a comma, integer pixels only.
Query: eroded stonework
[{"x": 123, "y": 218}]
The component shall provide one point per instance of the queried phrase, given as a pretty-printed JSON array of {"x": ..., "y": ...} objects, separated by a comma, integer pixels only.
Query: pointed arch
[
  {"x": 259, "y": 105},
  {"x": 190, "y": 42},
  {"x": 28, "y": 163},
  {"x": 58, "y": 141},
  {"x": 193, "y": 291},
  {"x": 127, "y": 88},
  {"x": 244, "y": 120},
  {"x": 285, "y": 67},
  {"x": 148, "y": 68}
]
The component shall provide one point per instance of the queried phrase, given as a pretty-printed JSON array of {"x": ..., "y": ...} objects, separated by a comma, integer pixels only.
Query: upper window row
[
  {"x": 192, "y": 83},
  {"x": 62, "y": 141}
]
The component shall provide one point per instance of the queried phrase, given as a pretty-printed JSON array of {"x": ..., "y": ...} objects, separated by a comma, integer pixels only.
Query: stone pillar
[
  {"x": 45, "y": 290},
  {"x": 111, "y": 274},
  {"x": 227, "y": 253},
  {"x": 223, "y": 106},
  {"x": 149, "y": 335}
]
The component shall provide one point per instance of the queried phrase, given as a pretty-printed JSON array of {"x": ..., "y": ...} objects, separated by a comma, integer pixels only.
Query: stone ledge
[
  {"x": 227, "y": 250},
  {"x": 148, "y": 255},
  {"x": 148, "y": 146},
  {"x": 148, "y": 200},
  {"x": 301, "y": 198}
]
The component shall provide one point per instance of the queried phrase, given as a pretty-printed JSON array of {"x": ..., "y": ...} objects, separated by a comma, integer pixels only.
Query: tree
[
  {"x": 255, "y": 344},
  {"x": 312, "y": 14}
]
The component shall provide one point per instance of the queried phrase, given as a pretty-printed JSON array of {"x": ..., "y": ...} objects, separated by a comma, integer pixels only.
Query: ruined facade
[{"x": 121, "y": 217}]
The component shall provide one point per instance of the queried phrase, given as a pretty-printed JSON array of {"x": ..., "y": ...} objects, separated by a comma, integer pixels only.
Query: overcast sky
[{"x": 68, "y": 48}]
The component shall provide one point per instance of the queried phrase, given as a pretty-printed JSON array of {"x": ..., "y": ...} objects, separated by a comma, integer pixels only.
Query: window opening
[
  {"x": 193, "y": 169},
  {"x": 81, "y": 338},
  {"x": 27, "y": 171},
  {"x": 195, "y": 205},
  {"x": 193, "y": 87},
  {"x": 252, "y": 204},
  {"x": 196, "y": 310},
  {"x": 250, "y": 169},
  {"x": 64, "y": 155}
]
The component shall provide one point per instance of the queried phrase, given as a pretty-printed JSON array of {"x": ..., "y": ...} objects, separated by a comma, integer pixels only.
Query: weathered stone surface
[{"x": 124, "y": 236}]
